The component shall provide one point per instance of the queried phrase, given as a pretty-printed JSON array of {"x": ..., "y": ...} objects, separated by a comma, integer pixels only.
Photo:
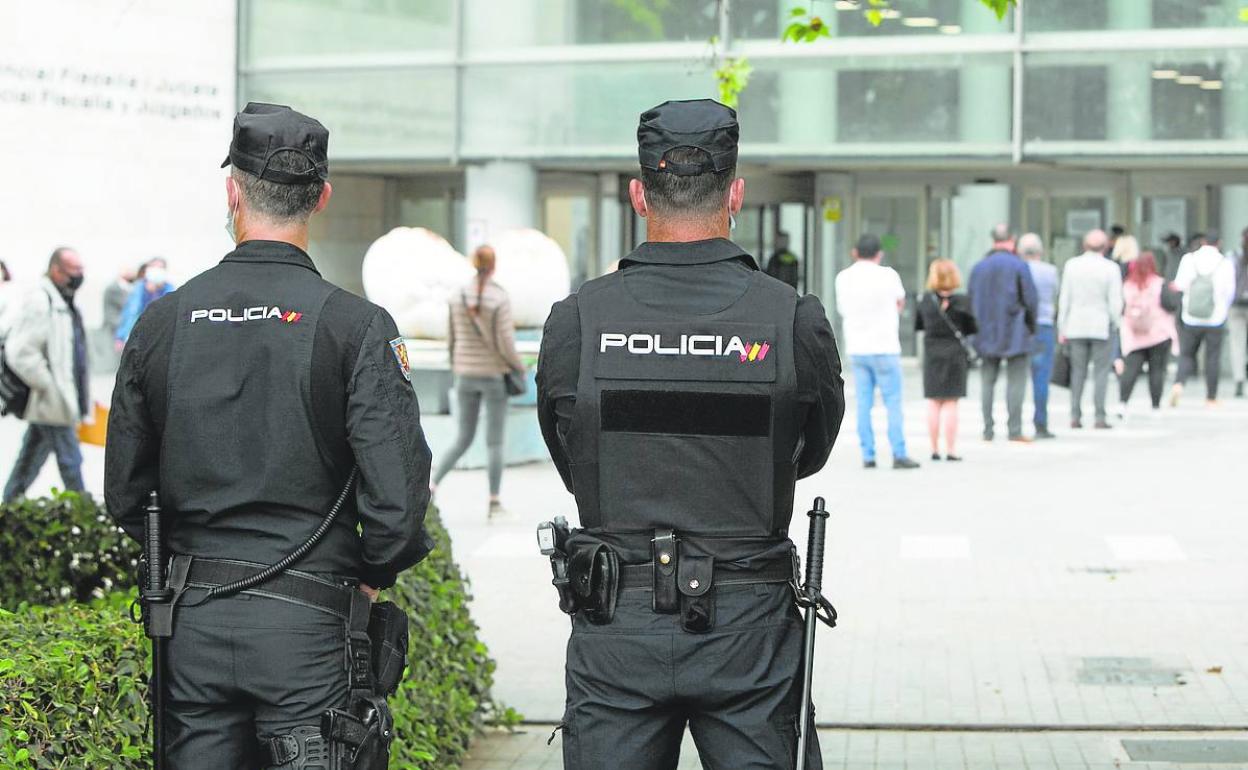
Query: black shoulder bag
[
  {"x": 514, "y": 382},
  {"x": 972, "y": 355}
]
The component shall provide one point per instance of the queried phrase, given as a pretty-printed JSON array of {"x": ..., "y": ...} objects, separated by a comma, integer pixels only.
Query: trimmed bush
[{"x": 73, "y": 678}]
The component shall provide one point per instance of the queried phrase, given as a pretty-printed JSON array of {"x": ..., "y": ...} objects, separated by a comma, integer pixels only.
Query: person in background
[
  {"x": 1170, "y": 255},
  {"x": 1044, "y": 340},
  {"x": 47, "y": 348},
  {"x": 1125, "y": 251},
  {"x": 1237, "y": 321},
  {"x": 945, "y": 319},
  {"x": 482, "y": 349},
  {"x": 784, "y": 264},
  {"x": 1089, "y": 306},
  {"x": 1147, "y": 330},
  {"x": 152, "y": 285},
  {"x": 6, "y": 298},
  {"x": 1004, "y": 303},
  {"x": 115, "y": 298},
  {"x": 870, "y": 299},
  {"x": 1115, "y": 232},
  {"x": 1207, "y": 279}
]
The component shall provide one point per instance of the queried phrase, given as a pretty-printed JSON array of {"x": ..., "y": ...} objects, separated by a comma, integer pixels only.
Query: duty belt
[
  {"x": 302, "y": 588},
  {"x": 641, "y": 576}
]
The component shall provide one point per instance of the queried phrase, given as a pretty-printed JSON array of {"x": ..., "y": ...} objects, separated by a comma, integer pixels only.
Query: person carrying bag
[{"x": 486, "y": 368}]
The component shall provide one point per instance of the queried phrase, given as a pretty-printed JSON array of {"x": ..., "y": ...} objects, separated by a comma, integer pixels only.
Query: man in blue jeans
[
  {"x": 870, "y": 299},
  {"x": 1044, "y": 341},
  {"x": 47, "y": 349}
]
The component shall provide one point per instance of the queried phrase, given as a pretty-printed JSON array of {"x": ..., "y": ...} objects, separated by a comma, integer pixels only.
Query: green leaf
[
  {"x": 1243, "y": 14},
  {"x": 794, "y": 32},
  {"x": 797, "y": 12},
  {"x": 875, "y": 17}
]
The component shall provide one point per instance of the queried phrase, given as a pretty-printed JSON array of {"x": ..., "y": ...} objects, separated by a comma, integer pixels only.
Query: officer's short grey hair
[
  {"x": 1030, "y": 245},
  {"x": 281, "y": 203}
]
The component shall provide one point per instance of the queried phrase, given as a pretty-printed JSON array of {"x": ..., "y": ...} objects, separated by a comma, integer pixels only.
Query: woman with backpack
[
  {"x": 1147, "y": 330},
  {"x": 1207, "y": 279}
]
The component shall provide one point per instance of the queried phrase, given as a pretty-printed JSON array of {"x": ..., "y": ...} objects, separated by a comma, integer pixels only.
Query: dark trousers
[
  {"x": 1191, "y": 338},
  {"x": 1098, "y": 353},
  {"x": 39, "y": 442},
  {"x": 1016, "y": 368},
  {"x": 633, "y": 685},
  {"x": 245, "y": 669},
  {"x": 1043, "y": 346},
  {"x": 1156, "y": 357}
]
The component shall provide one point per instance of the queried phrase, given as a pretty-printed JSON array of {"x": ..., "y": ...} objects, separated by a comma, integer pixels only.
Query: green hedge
[{"x": 73, "y": 676}]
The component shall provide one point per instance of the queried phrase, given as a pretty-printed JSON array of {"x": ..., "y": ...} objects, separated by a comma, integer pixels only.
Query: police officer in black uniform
[
  {"x": 681, "y": 398},
  {"x": 246, "y": 398}
]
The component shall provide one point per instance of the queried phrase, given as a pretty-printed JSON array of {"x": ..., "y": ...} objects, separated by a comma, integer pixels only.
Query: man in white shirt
[
  {"x": 1089, "y": 306},
  {"x": 1207, "y": 279},
  {"x": 870, "y": 298}
]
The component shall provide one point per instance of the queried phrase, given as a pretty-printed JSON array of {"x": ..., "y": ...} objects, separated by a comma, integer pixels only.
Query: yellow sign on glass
[{"x": 832, "y": 208}]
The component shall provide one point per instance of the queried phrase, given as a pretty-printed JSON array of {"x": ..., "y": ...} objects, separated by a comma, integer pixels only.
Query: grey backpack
[{"x": 1201, "y": 302}]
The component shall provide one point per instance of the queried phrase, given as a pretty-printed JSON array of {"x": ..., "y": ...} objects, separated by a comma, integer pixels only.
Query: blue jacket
[
  {"x": 1004, "y": 301},
  {"x": 138, "y": 301}
]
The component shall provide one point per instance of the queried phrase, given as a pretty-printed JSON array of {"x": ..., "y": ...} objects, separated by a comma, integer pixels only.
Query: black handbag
[
  {"x": 1061, "y": 367},
  {"x": 14, "y": 392},
  {"x": 514, "y": 382}
]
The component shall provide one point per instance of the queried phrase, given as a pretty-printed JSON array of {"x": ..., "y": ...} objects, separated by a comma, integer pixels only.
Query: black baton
[
  {"x": 811, "y": 597},
  {"x": 157, "y": 623}
]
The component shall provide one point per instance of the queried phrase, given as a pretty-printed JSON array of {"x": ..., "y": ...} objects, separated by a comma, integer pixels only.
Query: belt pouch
[
  {"x": 696, "y": 580},
  {"x": 387, "y": 631},
  {"x": 666, "y": 559},
  {"x": 595, "y": 573}
]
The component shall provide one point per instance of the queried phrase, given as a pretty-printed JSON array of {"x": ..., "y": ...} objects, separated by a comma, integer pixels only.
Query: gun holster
[
  {"x": 359, "y": 737},
  {"x": 696, "y": 582},
  {"x": 594, "y": 571}
]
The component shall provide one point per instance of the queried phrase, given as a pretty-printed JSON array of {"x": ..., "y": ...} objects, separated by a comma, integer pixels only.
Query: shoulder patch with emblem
[{"x": 399, "y": 347}]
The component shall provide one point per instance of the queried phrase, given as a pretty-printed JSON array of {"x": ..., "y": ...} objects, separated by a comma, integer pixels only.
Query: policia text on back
[
  {"x": 681, "y": 397},
  {"x": 273, "y": 414}
]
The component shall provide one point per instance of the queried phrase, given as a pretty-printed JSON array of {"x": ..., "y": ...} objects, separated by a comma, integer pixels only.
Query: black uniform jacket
[
  {"x": 246, "y": 397},
  {"x": 696, "y": 278}
]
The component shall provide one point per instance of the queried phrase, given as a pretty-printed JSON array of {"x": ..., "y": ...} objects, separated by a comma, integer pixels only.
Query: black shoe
[
  {"x": 868, "y": 463},
  {"x": 988, "y": 435},
  {"x": 1102, "y": 425},
  {"x": 1239, "y": 390},
  {"x": 904, "y": 463},
  {"x": 1042, "y": 433},
  {"x": 953, "y": 458},
  {"x": 936, "y": 456},
  {"x": 1076, "y": 424}
]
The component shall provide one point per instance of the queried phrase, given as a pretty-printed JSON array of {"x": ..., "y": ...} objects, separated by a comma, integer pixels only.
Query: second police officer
[
  {"x": 681, "y": 398},
  {"x": 246, "y": 398}
]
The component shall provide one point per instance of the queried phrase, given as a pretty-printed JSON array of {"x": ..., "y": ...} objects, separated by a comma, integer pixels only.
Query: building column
[
  {"x": 1129, "y": 82},
  {"x": 833, "y": 211},
  {"x": 498, "y": 196},
  {"x": 807, "y": 92}
]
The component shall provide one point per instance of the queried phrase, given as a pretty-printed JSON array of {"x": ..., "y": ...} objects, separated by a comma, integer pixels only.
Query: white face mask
[
  {"x": 230, "y": 228},
  {"x": 155, "y": 276}
]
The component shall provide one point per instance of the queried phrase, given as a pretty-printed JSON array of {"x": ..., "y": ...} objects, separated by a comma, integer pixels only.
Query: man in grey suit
[{"x": 1089, "y": 308}]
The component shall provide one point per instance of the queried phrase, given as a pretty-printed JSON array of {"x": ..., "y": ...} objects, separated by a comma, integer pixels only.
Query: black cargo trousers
[
  {"x": 635, "y": 683},
  {"x": 244, "y": 669}
]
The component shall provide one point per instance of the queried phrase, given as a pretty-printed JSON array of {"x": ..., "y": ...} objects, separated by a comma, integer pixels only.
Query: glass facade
[{"x": 453, "y": 80}]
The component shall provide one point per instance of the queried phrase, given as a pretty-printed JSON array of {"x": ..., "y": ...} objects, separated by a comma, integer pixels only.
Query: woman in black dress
[{"x": 945, "y": 318}]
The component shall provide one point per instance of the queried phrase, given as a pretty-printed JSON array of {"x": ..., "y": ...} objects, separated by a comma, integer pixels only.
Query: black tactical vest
[{"x": 686, "y": 421}]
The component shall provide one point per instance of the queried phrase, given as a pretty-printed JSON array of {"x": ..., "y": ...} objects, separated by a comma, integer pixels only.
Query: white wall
[{"x": 114, "y": 118}]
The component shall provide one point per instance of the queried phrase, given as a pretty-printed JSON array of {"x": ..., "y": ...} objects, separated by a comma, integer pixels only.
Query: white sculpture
[
  {"x": 412, "y": 272},
  {"x": 534, "y": 271}
]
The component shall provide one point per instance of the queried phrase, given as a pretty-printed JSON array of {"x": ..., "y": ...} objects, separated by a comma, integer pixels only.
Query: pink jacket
[{"x": 1145, "y": 322}]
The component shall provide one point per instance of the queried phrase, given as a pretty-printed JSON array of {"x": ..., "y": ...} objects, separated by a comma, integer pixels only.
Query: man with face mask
[
  {"x": 681, "y": 398},
  {"x": 254, "y": 399},
  {"x": 47, "y": 348}
]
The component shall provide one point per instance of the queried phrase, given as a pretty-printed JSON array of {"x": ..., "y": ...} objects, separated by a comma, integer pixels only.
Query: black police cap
[
  {"x": 704, "y": 124},
  {"x": 261, "y": 130}
]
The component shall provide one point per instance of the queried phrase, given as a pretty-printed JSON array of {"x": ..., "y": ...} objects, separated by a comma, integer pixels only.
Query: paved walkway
[{"x": 1095, "y": 581}]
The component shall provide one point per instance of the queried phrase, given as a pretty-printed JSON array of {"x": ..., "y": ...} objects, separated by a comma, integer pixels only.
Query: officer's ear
[
  {"x": 637, "y": 196},
  {"x": 736, "y": 196},
  {"x": 231, "y": 193},
  {"x": 326, "y": 191}
]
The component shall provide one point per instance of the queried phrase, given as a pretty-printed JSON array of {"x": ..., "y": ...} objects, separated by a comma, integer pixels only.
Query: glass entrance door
[{"x": 899, "y": 220}]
